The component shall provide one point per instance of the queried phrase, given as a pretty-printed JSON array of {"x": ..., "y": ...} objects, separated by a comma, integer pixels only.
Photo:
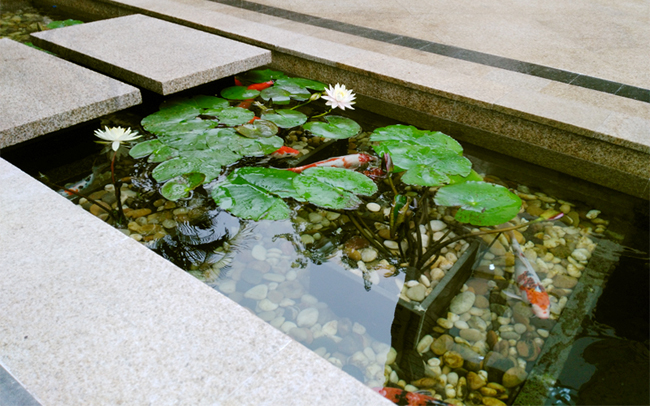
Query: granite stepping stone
[
  {"x": 153, "y": 54},
  {"x": 41, "y": 93}
]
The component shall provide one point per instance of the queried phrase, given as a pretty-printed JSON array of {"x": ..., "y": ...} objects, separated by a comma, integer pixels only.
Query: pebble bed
[
  {"x": 18, "y": 24},
  {"x": 477, "y": 355}
]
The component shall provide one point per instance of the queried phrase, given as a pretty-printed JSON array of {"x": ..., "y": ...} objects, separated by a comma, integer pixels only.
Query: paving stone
[
  {"x": 41, "y": 93},
  {"x": 157, "y": 55}
]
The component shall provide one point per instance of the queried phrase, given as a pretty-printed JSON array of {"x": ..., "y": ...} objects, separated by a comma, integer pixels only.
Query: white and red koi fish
[
  {"x": 348, "y": 162},
  {"x": 528, "y": 283},
  {"x": 284, "y": 152},
  {"x": 402, "y": 397}
]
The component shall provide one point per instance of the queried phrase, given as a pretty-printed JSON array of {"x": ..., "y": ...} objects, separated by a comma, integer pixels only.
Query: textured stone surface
[
  {"x": 40, "y": 93},
  {"x": 90, "y": 316},
  {"x": 157, "y": 55}
]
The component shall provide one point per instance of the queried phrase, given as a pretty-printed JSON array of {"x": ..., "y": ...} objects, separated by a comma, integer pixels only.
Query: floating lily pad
[
  {"x": 181, "y": 186},
  {"x": 300, "y": 82},
  {"x": 198, "y": 102},
  {"x": 262, "y": 75},
  {"x": 174, "y": 119},
  {"x": 333, "y": 188},
  {"x": 336, "y": 127},
  {"x": 162, "y": 154},
  {"x": 239, "y": 93},
  {"x": 454, "y": 179},
  {"x": 249, "y": 202},
  {"x": 414, "y": 136},
  {"x": 324, "y": 195},
  {"x": 173, "y": 168},
  {"x": 295, "y": 92},
  {"x": 145, "y": 148},
  {"x": 235, "y": 116},
  {"x": 480, "y": 203},
  {"x": 64, "y": 23},
  {"x": 286, "y": 118},
  {"x": 343, "y": 179},
  {"x": 425, "y": 175},
  {"x": 276, "y": 95},
  {"x": 258, "y": 129},
  {"x": 276, "y": 181}
]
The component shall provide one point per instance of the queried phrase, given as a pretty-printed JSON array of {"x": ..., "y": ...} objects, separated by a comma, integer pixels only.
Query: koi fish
[
  {"x": 402, "y": 397},
  {"x": 245, "y": 104},
  {"x": 238, "y": 82},
  {"x": 528, "y": 283},
  {"x": 77, "y": 187},
  {"x": 348, "y": 162},
  {"x": 260, "y": 86},
  {"x": 284, "y": 152},
  {"x": 252, "y": 120}
]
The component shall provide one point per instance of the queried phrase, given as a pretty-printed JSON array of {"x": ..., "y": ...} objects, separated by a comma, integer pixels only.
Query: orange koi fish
[
  {"x": 402, "y": 397},
  {"x": 528, "y": 283},
  {"x": 348, "y": 162},
  {"x": 284, "y": 152},
  {"x": 260, "y": 86}
]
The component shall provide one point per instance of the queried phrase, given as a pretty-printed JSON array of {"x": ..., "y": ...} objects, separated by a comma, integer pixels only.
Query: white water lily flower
[
  {"x": 339, "y": 97},
  {"x": 117, "y": 135}
]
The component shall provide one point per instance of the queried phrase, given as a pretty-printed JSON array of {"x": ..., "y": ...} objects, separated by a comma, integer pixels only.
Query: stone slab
[
  {"x": 92, "y": 317},
  {"x": 40, "y": 93},
  {"x": 157, "y": 55}
]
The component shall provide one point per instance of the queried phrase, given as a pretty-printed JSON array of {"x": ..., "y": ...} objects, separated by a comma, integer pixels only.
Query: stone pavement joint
[{"x": 157, "y": 55}]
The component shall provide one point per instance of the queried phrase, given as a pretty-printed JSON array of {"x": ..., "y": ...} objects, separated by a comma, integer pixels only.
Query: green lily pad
[
  {"x": 414, "y": 136},
  {"x": 162, "y": 154},
  {"x": 181, "y": 186},
  {"x": 324, "y": 195},
  {"x": 337, "y": 127},
  {"x": 239, "y": 93},
  {"x": 173, "y": 168},
  {"x": 249, "y": 202},
  {"x": 300, "y": 82},
  {"x": 276, "y": 95},
  {"x": 176, "y": 120},
  {"x": 226, "y": 139},
  {"x": 235, "y": 116},
  {"x": 197, "y": 102},
  {"x": 295, "y": 92},
  {"x": 425, "y": 175},
  {"x": 64, "y": 23},
  {"x": 276, "y": 181},
  {"x": 262, "y": 75},
  {"x": 286, "y": 118},
  {"x": 454, "y": 179},
  {"x": 258, "y": 129},
  {"x": 480, "y": 203},
  {"x": 343, "y": 179},
  {"x": 145, "y": 148}
]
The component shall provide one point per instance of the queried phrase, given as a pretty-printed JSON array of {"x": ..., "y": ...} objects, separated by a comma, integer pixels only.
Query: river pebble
[
  {"x": 308, "y": 317},
  {"x": 462, "y": 302},
  {"x": 417, "y": 292},
  {"x": 257, "y": 292}
]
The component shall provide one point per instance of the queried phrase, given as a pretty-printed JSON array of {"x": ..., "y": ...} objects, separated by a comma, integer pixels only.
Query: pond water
[{"x": 315, "y": 279}]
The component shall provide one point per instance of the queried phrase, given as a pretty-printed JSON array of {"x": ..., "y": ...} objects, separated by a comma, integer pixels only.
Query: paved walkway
[{"x": 608, "y": 40}]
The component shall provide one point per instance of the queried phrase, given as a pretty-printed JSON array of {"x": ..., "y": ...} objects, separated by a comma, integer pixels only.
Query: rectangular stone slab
[
  {"x": 157, "y": 55},
  {"x": 40, "y": 93}
]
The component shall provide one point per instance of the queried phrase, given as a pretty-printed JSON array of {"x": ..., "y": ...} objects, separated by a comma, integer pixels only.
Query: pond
[{"x": 384, "y": 266}]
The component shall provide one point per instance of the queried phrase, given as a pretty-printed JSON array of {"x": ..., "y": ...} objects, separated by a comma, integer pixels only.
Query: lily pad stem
[
  {"x": 118, "y": 187},
  {"x": 368, "y": 236},
  {"x": 322, "y": 114}
]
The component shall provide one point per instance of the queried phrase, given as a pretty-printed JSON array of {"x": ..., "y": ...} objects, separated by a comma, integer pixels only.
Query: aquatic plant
[{"x": 198, "y": 140}]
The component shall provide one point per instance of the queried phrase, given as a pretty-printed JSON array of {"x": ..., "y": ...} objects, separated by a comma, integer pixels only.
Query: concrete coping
[
  {"x": 92, "y": 317},
  {"x": 154, "y": 54},
  {"x": 41, "y": 93},
  {"x": 606, "y": 117}
]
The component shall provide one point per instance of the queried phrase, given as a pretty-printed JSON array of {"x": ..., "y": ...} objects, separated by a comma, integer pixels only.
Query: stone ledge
[
  {"x": 157, "y": 55},
  {"x": 40, "y": 93},
  {"x": 606, "y": 133},
  {"x": 91, "y": 317}
]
